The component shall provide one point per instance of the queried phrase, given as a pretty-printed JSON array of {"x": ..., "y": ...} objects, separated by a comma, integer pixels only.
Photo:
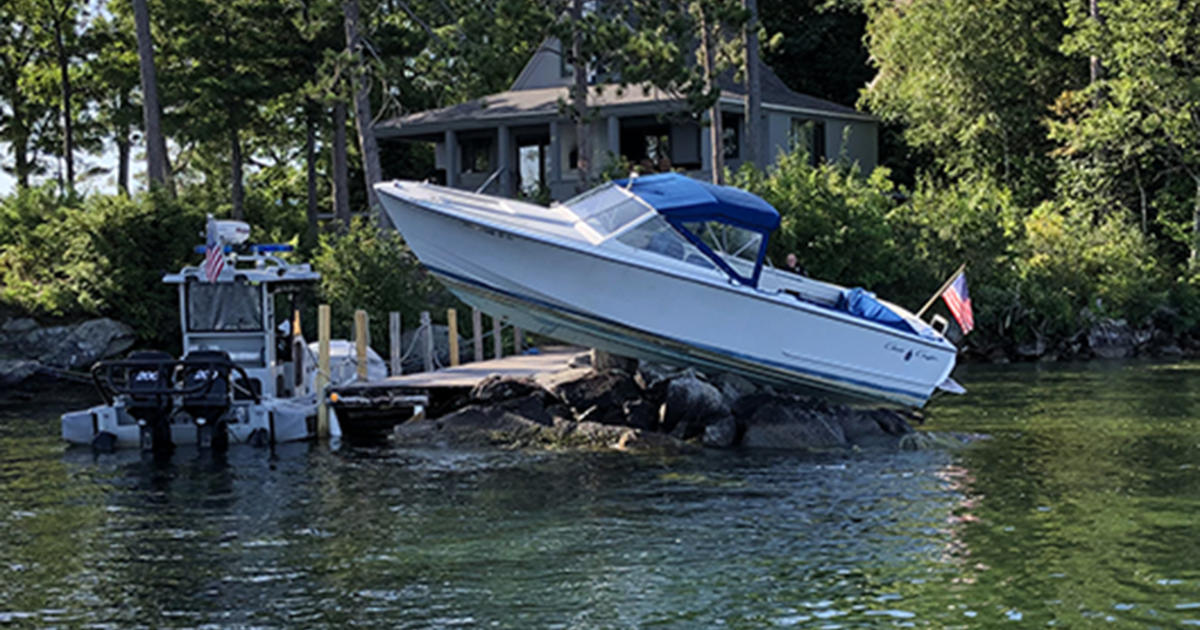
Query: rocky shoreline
[
  {"x": 29, "y": 350},
  {"x": 633, "y": 406}
]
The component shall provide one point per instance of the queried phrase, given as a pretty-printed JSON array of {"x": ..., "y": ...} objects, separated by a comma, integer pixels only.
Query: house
[{"x": 520, "y": 141}]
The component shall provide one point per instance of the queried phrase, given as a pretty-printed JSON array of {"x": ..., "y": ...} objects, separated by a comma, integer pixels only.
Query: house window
[
  {"x": 477, "y": 155},
  {"x": 809, "y": 136},
  {"x": 731, "y": 135}
]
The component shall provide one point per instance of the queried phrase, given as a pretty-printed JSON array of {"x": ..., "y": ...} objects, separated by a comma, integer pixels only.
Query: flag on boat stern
[
  {"x": 214, "y": 258},
  {"x": 959, "y": 302}
]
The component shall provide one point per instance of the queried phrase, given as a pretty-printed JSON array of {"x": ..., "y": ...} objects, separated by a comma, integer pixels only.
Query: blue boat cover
[
  {"x": 862, "y": 303},
  {"x": 681, "y": 198}
]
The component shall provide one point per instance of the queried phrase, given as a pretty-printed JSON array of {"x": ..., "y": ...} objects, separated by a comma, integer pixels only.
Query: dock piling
[
  {"x": 360, "y": 343},
  {"x": 518, "y": 340},
  {"x": 427, "y": 326},
  {"x": 394, "y": 339},
  {"x": 452, "y": 326},
  {"x": 322, "y": 370},
  {"x": 477, "y": 330}
]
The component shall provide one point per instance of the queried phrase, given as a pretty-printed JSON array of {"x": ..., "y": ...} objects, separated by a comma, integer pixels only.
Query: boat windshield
[
  {"x": 728, "y": 240},
  {"x": 608, "y": 209},
  {"x": 657, "y": 236},
  {"x": 223, "y": 307}
]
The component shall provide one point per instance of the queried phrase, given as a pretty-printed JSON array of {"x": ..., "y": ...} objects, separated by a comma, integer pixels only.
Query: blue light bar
[
  {"x": 271, "y": 247},
  {"x": 203, "y": 249}
]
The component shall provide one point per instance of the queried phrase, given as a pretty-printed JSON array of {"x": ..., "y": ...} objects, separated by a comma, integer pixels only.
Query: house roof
[{"x": 541, "y": 105}]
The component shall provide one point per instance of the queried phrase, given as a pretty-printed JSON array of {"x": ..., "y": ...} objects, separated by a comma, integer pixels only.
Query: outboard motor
[
  {"x": 149, "y": 385},
  {"x": 206, "y": 395}
]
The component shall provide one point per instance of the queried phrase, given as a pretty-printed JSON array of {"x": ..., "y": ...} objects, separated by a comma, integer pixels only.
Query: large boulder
[
  {"x": 783, "y": 424},
  {"x": 78, "y": 346},
  {"x": 1112, "y": 339},
  {"x": 690, "y": 405},
  {"x": 873, "y": 427},
  {"x": 598, "y": 396},
  {"x": 498, "y": 387},
  {"x": 473, "y": 425},
  {"x": 722, "y": 433},
  {"x": 734, "y": 387},
  {"x": 14, "y": 371}
]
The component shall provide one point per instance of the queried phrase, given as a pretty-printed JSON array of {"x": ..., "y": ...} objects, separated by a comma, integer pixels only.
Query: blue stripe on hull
[{"x": 556, "y": 320}]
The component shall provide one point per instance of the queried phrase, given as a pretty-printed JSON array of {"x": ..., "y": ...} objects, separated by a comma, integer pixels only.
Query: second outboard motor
[
  {"x": 207, "y": 395},
  {"x": 148, "y": 381}
]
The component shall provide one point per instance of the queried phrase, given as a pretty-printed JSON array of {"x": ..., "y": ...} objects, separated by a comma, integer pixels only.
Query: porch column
[
  {"x": 452, "y": 169},
  {"x": 705, "y": 147},
  {"x": 504, "y": 147},
  {"x": 614, "y": 137},
  {"x": 555, "y": 156}
]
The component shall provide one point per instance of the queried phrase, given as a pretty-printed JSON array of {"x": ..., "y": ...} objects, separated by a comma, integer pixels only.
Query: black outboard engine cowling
[
  {"x": 207, "y": 395},
  {"x": 149, "y": 380}
]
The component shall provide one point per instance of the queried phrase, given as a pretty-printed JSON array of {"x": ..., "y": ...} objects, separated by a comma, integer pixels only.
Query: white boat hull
[
  {"x": 668, "y": 312},
  {"x": 280, "y": 420}
]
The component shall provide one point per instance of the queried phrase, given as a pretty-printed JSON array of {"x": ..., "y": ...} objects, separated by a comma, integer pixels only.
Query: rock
[
  {"x": 653, "y": 379},
  {"x": 781, "y": 425},
  {"x": 690, "y": 405},
  {"x": 1111, "y": 339},
  {"x": 872, "y": 427},
  {"x": 581, "y": 360},
  {"x": 603, "y": 360},
  {"x": 1031, "y": 349},
  {"x": 476, "y": 426},
  {"x": 734, "y": 387},
  {"x": 531, "y": 407},
  {"x": 13, "y": 372},
  {"x": 18, "y": 326},
  {"x": 473, "y": 425},
  {"x": 722, "y": 433},
  {"x": 640, "y": 414},
  {"x": 496, "y": 387},
  {"x": 606, "y": 392},
  {"x": 78, "y": 346}
]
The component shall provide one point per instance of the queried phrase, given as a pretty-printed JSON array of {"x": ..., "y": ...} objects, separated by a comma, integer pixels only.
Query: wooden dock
[{"x": 548, "y": 360}]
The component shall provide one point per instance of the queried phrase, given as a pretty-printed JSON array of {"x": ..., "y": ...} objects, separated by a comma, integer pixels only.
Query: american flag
[
  {"x": 214, "y": 258},
  {"x": 959, "y": 303}
]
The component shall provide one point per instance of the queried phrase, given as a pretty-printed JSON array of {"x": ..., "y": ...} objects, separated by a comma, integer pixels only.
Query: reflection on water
[{"x": 1080, "y": 509}]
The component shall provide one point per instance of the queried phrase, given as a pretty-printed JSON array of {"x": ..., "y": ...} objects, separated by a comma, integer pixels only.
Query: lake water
[{"x": 1082, "y": 510}]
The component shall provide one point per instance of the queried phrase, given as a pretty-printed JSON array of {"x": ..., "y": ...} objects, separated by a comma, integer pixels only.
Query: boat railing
[{"x": 124, "y": 377}]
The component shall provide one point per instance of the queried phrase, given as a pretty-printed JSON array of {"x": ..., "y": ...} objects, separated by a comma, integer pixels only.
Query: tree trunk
[
  {"x": 579, "y": 90},
  {"x": 123, "y": 163},
  {"x": 310, "y": 168},
  {"x": 1195, "y": 258},
  {"x": 341, "y": 175},
  {"x": 1095, "y": 69},
  {"x": 64, "y": 72},
  {"x": 237, "y": 190},
  {"x": 157, "y": 169},
  {"x": 19, "y": 135},
  {"x": 361, "y": 87},
  {"x": 753, "y": 144},
  {"x": 716, "y": 134}
]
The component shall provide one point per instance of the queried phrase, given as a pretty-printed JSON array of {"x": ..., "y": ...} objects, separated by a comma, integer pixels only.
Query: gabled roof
[{"x": 536, "y": 100}]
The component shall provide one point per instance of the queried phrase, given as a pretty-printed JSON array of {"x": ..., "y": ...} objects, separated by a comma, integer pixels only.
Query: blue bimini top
[{"x": 680, "y": 198}]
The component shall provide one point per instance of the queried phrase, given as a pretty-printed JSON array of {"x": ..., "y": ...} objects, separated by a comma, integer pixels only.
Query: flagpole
[{"x": 938, "y": 294}]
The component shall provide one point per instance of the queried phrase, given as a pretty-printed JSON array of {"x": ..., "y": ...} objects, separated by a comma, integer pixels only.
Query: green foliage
[
  {"x": 104, "y": 255},
  {"x": 366, "y": 268},
  {"x": 835, "y": 220}
]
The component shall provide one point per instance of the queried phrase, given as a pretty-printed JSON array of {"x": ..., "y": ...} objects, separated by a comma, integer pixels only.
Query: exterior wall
[{"x": 854, "y": 141}]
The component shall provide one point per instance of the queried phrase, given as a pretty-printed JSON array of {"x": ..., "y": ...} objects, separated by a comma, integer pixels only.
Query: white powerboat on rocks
[{"x": 670, "y": 269}]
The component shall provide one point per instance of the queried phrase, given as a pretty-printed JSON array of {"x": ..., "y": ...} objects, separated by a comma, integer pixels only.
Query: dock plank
[{"x": 548, "y": 360}]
